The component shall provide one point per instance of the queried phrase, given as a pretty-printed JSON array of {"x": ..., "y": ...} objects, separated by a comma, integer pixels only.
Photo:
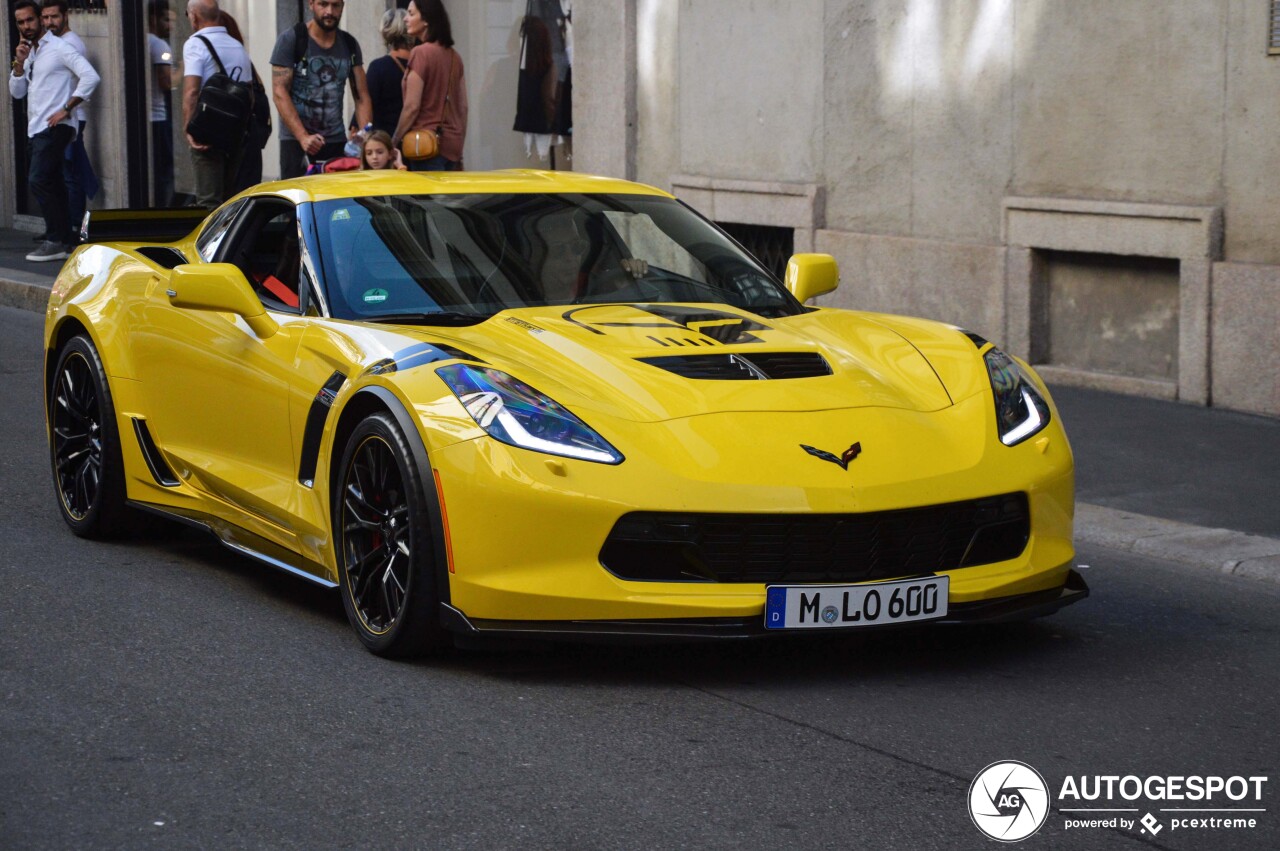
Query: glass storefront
[{"x": 517, "y": 54}]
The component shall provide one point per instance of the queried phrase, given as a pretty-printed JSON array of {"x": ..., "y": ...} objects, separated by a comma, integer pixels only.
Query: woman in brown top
[{"x": 435, "y": 92}]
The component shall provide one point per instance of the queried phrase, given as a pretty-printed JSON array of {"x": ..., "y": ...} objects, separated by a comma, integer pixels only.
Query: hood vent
[{"x": 759, "y": 366}]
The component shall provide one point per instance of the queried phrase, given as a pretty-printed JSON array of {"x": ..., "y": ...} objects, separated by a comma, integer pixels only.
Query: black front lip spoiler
[{"x": 999, "y": 610}]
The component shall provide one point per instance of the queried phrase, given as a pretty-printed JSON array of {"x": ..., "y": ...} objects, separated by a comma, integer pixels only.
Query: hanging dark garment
[{"x": 535, "y": 92}]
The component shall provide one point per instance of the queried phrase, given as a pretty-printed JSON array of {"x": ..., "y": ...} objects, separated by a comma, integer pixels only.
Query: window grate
[
  {"x": 772, "y": 246},
  {"x": 1273, "y": 29}
]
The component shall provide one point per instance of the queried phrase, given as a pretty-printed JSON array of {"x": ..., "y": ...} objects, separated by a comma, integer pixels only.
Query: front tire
[
  {"x": 84, "y": 444},
  {"x": 383, "y": 542}
]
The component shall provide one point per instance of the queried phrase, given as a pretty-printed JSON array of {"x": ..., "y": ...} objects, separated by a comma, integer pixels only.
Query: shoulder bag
[{"x": 425, "y": 144}]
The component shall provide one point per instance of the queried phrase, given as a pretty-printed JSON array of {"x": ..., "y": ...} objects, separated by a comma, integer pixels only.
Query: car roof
[{"x": 355, "y": 184}]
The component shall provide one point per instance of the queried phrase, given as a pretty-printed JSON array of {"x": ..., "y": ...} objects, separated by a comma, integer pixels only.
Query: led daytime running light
[
  {"x": 487, "y": 408},
  {"x": 1020, "y": 409},
  {"x": 514, "y": 413}
]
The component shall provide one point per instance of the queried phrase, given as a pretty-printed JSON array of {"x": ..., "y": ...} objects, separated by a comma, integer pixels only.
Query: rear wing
[{"x": 159, "y": 225}]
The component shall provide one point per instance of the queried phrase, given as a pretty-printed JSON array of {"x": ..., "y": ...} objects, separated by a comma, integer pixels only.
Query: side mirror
[
  {"x": 219, "y": 287},
  {"x": 810, "y": 275}
]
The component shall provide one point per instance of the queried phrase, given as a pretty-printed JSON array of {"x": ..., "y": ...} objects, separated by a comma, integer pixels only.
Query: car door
[{"x": 217, "y": 393}]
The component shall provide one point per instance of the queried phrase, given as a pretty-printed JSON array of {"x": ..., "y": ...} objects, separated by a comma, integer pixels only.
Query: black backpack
[
  {"x": 260, "y": 122},
  {"x": 222, "y": 113}
]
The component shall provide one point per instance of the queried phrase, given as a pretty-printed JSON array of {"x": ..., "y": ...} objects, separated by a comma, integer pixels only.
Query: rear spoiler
[{"x": 159, "y": 225}]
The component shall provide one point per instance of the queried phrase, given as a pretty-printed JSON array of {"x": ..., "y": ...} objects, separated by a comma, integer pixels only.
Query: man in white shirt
[
  {"x": 215, "y": 170},
  {"x": 158, "y": 29},
  {"x": 55, "y": 80},
  {"x": 77, "y": 171}
]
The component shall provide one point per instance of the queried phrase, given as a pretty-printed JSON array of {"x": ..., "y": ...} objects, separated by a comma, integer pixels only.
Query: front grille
[
  {"x": 738, "y": 367},
  {"x": 816, "y": 548}
]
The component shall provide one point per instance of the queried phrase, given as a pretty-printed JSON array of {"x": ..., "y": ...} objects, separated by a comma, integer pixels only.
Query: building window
[
  {"x": 1273, "y": 29},
  {"x": 772, "y": 246}
]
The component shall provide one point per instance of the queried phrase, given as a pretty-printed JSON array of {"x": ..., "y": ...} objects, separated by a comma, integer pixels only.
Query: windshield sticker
[
  {"x": 374, "y": 296},
  {"x": 340, "y": 215}
]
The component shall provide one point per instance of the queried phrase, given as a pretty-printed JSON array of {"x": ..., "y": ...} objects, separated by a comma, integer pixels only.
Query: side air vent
[
  {"x": 759, "y": 366},
  {"x": 160, "y": 471},
  {"x": 168, "y": 258}
]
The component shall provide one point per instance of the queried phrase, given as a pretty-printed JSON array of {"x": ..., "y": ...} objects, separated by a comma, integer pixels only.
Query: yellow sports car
[{"x": 546, "y": 404}]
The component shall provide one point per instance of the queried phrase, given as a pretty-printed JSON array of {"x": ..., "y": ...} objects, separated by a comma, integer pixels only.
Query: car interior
[{"x": 265, "y": 248}]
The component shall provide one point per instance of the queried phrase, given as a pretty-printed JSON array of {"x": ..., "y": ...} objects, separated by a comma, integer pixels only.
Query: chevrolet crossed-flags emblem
[{"x": 842, "y": 461}]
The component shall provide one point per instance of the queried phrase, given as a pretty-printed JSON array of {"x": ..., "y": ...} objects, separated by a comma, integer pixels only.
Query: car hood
[{"x": 652, "y": 362}]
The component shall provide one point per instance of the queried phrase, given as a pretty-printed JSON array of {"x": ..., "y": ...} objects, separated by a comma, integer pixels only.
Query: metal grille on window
[
  {"x": 1273, "y": 29},
  {"x": 772, "y": 246}
]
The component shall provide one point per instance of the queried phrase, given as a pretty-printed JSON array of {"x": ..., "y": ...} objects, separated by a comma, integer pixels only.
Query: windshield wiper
[{"x": 443, "y": 317}]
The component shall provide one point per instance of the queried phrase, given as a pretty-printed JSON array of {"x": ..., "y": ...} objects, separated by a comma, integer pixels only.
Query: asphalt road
[{"x": 167, "y": 694}]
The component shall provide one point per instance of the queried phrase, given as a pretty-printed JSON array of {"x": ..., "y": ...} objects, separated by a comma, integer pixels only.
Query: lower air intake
[{"x": 816, "y": 548}]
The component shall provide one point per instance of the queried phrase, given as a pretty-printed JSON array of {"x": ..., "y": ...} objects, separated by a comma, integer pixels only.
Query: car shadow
[
  {"x": 886, "y": 654},
  {"x": 169, "y": 539}
]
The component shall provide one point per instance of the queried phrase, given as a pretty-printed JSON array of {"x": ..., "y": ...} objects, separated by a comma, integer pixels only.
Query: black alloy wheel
[
  {"x": 385, "y": 550},
  {"x": 88, "y": 473}
]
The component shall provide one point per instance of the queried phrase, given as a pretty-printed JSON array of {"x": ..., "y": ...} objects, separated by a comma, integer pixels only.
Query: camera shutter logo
[{"x": 1008, "y": 801}]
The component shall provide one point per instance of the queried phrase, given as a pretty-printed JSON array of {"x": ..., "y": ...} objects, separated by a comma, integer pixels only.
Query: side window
[
  {"x": 215, "y": 229},
  {"x": 266, "y": 250}
]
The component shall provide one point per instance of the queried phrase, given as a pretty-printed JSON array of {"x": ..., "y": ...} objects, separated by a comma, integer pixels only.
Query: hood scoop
[{"x": 757, "y": 366}]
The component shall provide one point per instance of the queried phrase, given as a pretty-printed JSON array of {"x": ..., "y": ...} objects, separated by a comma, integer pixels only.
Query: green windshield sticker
[
  {"x": 374, "y": 296},
  {"x": 340, "y": 215}
]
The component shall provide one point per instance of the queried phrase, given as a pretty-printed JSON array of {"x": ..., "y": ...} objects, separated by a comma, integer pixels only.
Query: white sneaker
[{"x": 48, "y": 250}]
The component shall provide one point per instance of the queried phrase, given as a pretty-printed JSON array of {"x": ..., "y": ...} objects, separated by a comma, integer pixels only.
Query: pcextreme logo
[{"x": 1009, "y": 801}]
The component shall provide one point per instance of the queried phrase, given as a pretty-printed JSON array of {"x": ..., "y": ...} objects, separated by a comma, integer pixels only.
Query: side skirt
[{"x": 245, "y": 543}]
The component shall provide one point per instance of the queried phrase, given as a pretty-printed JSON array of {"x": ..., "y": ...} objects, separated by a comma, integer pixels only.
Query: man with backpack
[
  {"x": 312, "y": 64},
  {"x": 217, "y": 101}
]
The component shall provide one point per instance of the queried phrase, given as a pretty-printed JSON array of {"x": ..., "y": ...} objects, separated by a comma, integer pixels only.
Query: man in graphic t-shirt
[{"x": 308, "y": 83}]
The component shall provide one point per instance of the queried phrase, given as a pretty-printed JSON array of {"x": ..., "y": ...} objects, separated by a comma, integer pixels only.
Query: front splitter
[{"x": 997, "y": 610}]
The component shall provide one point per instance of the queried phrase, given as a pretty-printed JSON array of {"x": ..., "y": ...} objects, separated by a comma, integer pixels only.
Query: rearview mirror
[
  {"x": 811, "y": 275},
  {"x": 219, "y": 287}
]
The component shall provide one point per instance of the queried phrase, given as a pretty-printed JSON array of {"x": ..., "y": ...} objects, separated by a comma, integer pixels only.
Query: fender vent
[
  {"x": 759, "y": 366},
  {"x": 160, "y": 471}
]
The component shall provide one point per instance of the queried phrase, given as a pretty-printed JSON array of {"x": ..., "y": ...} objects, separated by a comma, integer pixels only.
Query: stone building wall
[{"x": 977, "y": 161}]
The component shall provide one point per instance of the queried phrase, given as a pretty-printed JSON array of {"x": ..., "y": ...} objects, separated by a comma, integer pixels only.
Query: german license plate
[{"x": 828, "y": 606}]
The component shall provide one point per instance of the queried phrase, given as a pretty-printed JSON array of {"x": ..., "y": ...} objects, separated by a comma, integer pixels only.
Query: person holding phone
[{"x": 54, "y": 79}]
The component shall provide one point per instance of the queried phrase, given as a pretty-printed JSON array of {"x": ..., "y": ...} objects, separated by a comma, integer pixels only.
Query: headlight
[
  {"x": 1020, "y": 409},
  {"x": 514, "y": 413}
]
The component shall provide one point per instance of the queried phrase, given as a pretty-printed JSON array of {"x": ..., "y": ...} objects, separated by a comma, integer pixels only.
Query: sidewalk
[
  {"x": 23, "y": 284},
  {"x": 1199, "y": 486}
]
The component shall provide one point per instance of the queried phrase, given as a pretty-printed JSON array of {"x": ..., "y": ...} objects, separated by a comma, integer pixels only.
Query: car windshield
[{"x": 462, "y": 258}]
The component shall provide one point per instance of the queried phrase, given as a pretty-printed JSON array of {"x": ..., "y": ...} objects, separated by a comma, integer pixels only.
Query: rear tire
[
  {"x": 383, "y": 542},
  {"x": 84, "y": 444}
]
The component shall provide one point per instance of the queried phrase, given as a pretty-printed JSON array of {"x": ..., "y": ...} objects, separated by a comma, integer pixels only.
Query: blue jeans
[
  {"x": 82, "y": 183},
  {"x": 46, "y": 181},
  {"x": 436, "y": 163}
]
